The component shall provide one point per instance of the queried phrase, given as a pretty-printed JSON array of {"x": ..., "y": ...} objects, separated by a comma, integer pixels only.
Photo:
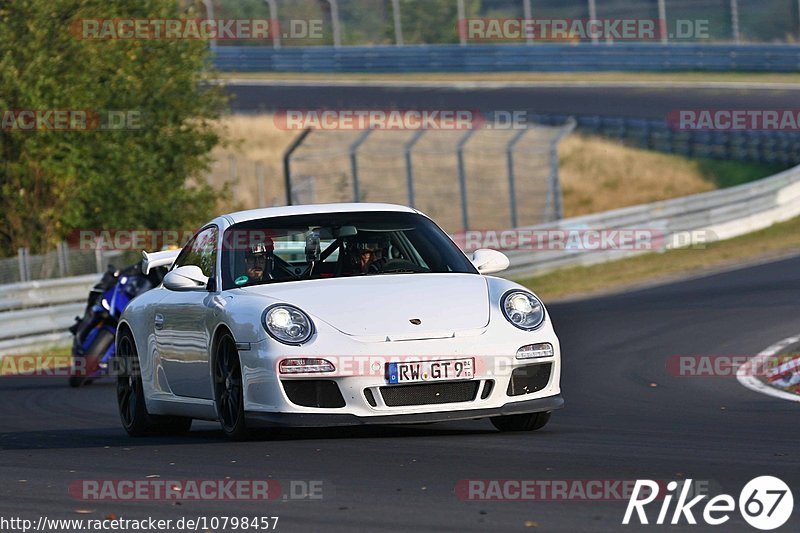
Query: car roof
[{"x": 270, "y": 212}]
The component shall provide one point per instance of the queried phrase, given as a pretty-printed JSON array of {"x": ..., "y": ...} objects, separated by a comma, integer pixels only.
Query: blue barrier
[
  {"x": 508, "y": 58},
  {"x": 764, "y": 146}
]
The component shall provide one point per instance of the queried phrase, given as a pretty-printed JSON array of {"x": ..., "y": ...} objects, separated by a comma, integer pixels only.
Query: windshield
[{"x": 333, "y": 245}]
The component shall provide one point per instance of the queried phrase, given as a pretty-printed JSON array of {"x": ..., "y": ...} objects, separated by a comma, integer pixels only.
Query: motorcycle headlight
[
  {"x": 288, "y": 324},
  {"x": 522, "y": 309}
]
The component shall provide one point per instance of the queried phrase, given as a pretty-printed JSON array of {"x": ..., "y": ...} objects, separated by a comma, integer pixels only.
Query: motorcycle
[{"x": 93, "y": 344}]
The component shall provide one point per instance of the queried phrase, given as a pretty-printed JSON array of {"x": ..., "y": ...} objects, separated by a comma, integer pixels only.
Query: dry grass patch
[
  {"x": 250, "y": 139},
  {"x": 599, "y": 174}
]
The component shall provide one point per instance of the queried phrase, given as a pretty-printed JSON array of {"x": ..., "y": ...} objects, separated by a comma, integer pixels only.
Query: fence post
[
  {"x": 398, "y": 23},
  {"x": 260, "y": 183},
  {"x": 410, "y": 165},
  {"x": 337, "y": 28},
  {"x": 24, "y": 265},
  {"x": 554, "y": 182},
  {"x": 593, "y": 16},
  {"x": 98, "y": 258},
  {"x": 512, "y": 186},
  {"x": 287, "y": 162},
  {"x": 662, "y": 21},
  {"x": 210, "y": 16},
  {"x": 354, "y": 163},
  {"x": 63, "y": 259},
  {"x": 462, "y": 177},
  {"x": 462, "y": 23},
  {"x": 275, "y": 32},
  {"x": 527, "y": 14},
  {"x": 735, "y": 20}
]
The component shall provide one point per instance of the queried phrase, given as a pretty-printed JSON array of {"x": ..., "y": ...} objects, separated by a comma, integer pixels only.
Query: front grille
[
  {"x": 487, "y": 389},
  {"x": 430, "y": 393},
  {"x": 529, "y": 379},
  {"x": 313, "y": 392}
]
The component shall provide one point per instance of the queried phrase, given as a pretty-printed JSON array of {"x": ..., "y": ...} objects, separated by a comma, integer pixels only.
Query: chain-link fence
[
  {"x": 62, "y": 262},
  {"x": 412, "y": 22},
  {"x": 479, "y": 178}
]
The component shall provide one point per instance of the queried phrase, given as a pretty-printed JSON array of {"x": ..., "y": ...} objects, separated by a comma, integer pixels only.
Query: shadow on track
[{"x": 116, "y": 437}]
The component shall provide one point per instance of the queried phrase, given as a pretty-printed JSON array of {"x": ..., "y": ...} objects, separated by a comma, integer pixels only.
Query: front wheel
[
  {"x": 523, "y": 422},
  {"x": 228, "y": 389},
  {"x": 85, "y": 366},
  {"x": 130, "y": 397}
]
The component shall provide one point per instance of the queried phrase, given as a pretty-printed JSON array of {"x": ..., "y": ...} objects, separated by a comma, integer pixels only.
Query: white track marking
[{"x": 743, "y": 374}]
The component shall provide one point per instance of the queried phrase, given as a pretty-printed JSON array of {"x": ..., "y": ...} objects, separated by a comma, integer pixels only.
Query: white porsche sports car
[{"x": 330, "y": 315}]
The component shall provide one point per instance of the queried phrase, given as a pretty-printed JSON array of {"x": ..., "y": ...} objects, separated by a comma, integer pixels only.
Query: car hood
[{"x": 384, "y": 306}]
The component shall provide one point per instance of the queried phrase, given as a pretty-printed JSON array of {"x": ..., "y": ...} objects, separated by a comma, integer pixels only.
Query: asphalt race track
[
  {"x": 612, "y": 100},
  {"x": 625, "y": 419}
]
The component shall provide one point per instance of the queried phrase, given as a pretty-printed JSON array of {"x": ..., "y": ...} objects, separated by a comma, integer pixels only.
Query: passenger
[{"x": 366, "y": 254}]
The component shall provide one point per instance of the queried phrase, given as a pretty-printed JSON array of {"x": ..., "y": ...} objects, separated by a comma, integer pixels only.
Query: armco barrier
[
  {"x": 511, "y": 58},
  {"x": 724, "y": 214},
  {"x": 44, "y": 293},
  {"x": 36, "y": 314}
]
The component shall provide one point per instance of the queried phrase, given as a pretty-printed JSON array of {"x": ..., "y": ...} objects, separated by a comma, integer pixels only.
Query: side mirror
[
  {"x": 186, "y": 278},
  {"x": 489, "y": 261}
]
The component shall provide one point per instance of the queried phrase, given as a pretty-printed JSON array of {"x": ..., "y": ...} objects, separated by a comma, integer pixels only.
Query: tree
[{"x": 146, "y": 176}]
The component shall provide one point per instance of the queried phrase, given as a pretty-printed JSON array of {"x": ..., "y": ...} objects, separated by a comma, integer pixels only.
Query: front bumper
[{"x": 262, "y": 419}]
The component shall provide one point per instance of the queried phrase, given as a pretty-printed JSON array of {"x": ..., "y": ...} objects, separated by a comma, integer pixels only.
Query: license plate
[{"x": 425, "y": 371}]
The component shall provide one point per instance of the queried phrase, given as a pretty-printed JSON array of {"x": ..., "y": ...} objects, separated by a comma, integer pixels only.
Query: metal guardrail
[
  {"x": 512, "y": 58},
  {"x": 15, "y": 296},
  {"x": 36, "y": 314},
  {"x": 714, "y": 215}
]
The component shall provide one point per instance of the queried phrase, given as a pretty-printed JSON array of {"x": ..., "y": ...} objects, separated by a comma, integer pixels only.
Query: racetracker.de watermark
[
  {"x": 581, "y": 239},
  {"x": 162, "y": 239},
  {"x": 149, "y": 29},
  {"x": 380, "y": 119},
  {"x": 734, "y": 119},
  {"x": 553, "y": 490},
  {"x": 580, "y": 29},
  {"x": 157, "y": 489},
  {"x": 729, "y": 366},
  {"x": 136, "y": 239},
  {"x": 66, "y": 120}
]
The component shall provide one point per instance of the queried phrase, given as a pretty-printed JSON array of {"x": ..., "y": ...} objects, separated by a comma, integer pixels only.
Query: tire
[
  {"x": 228, "y": 389},
  {"x": 523, "y": 422},
  {"x": 94, "y": 353},
  {"x": 130, "y": 397}
]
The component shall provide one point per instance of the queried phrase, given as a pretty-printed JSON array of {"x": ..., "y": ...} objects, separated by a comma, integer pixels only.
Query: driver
[
  {"x": 259, "y": 260},
  {"x": 366, "y": 253}
]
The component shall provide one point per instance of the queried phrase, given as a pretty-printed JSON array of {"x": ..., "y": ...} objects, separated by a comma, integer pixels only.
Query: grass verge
[
  {"x": 37, "y": 363},
  {"x": 775, "y": 241}
]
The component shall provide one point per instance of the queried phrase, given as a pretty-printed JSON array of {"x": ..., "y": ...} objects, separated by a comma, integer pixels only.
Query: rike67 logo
[{"x": 765, "y": 503}]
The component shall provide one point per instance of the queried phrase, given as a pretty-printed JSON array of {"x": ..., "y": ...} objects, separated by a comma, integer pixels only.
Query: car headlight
[
  {"x": 522, "y": 309},
  {"x": 288, "y": 324}
]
